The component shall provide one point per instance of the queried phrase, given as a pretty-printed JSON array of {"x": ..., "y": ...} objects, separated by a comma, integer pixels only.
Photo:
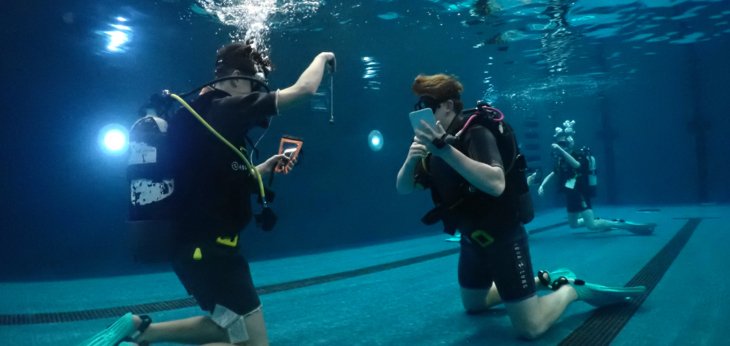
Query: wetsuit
[
  {"x": 494, "y": 242},
  {"x": 577, "y": 198},
  {"x": 214, "y": 192}
]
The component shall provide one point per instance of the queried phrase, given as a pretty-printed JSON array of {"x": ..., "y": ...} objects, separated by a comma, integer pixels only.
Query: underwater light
[
  {"x": 375, "y": 140},
  {"x": 117, "y": 39},
  {"x": 119, "y": 36},
  {"x": 113, "y": 139}
]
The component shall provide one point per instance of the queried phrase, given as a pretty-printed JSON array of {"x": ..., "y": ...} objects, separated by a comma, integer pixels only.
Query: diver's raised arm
[
  {"x": 571, "y": 160},
  {"x": 308, "y": 81}
]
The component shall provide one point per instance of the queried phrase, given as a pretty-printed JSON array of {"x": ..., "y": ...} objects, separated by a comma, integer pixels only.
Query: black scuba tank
[
  {"x": 151, "y": 189},
  {"x": 517, "y": 191},
  {"x": 151, "y": 184}
]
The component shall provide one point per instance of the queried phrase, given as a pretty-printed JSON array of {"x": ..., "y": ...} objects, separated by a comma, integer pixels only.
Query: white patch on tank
[{"x": 145, "y": 191}]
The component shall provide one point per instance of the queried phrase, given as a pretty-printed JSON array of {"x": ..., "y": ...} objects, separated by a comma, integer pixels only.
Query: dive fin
[
  {"x": 638, "y": 228},
  {"x": 599, "y": 295},
  {"x": 454, "y": 238},
  {"x": 115, "y": 333}
]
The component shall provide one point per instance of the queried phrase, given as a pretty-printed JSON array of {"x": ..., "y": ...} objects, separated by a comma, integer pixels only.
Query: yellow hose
[{"x": 252, "y": 169}]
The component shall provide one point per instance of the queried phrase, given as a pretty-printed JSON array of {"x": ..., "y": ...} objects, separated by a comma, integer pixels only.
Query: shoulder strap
[{"x": 493, "y": 119}]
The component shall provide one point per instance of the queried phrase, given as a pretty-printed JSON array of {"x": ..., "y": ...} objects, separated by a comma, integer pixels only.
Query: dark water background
[{"x": 652, "y": 104}]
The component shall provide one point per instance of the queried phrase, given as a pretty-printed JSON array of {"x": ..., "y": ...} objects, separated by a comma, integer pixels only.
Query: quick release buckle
[{"x": 482, "y": 238}]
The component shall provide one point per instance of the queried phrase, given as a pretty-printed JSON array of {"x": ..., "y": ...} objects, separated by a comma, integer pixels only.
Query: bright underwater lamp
[
  {"x": 375, "y": 140},
  {"x": 113, "y": 139}
]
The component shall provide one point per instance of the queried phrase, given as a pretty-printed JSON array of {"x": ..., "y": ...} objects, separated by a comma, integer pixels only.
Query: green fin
[
  {"x": 599, "y": 295},
  {"x": 638, "y": 228},
  {"x": 120, "y": 329}
]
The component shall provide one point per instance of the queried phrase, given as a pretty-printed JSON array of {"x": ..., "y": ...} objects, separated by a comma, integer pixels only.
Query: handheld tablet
[{"x": 425, "y": 114}]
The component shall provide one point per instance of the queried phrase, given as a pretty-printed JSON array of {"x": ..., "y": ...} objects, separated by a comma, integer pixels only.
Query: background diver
[{"x": 575, "y": 172}]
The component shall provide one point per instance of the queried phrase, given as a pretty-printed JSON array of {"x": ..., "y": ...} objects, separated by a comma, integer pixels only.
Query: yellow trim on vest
[
  {"x": 197, "y": 254},
  {"x": 228, "y": 241}
]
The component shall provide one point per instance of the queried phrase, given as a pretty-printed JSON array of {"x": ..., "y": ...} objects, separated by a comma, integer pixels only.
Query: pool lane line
[
  {"x": 602, "y": 327},
  {"x": 147, "y": 308},
  {"x": 547, "y": 228}
]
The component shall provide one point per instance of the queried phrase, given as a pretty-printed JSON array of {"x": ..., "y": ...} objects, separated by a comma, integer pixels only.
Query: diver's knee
[
  {"x": 474, "y": 301},
  {"x": 592, "y": 225},
  {"x": 596, "y": 224},
  {"x": 248, "y": 329},
  {"x": 473, "y": 307},
  {"x": 529, "y": 330}
]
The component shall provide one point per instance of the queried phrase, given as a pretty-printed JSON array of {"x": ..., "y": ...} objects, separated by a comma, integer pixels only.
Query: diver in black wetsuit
[
  {"x": 214, "y": 189},
  {"x": 494, "y": 262},
  {"x": 576, "y": 176}
]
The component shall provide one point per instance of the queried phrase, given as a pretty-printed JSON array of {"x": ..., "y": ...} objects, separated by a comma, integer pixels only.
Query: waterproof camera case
[{"x": 290, "y": 148}]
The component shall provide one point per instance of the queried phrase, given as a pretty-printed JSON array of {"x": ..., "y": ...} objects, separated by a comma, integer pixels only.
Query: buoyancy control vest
[
  {"x": 584, "y": 178},
  {"x": 151, "y": 173},
  {"x": 463, "y": 201}
]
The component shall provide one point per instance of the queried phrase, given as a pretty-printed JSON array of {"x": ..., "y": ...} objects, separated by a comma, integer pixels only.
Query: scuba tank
[
  {"x": 151, "y": 189},
  {"x": 592, "y": 177},
  {"x": 590, "y": 161},
  {"x": 150, "y": 183},
  {"x": 515, "y": 170}
]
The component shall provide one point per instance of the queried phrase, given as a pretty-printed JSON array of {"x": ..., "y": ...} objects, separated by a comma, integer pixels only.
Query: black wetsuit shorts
[
  {"x": 577, "y": 201},
  {"x": 506, "y": 263},
  {"x": 218, "y": 279}
]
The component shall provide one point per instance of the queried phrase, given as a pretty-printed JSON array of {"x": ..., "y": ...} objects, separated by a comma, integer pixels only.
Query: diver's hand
[
  {"x": 425, "y": 135},
  {"x": 285, "y": 164},
  {"x": 416, "y": 151},
  {"x": 541, "y": 191},
  {"x": 329, "y": 59},
  {"x": 278, "y": 163},
  {"x": 205, "y": 90},
  {"x": 558, "y": 149}
]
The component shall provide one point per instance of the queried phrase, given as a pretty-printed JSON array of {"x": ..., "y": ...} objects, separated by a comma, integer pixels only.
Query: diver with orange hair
[{"x": 471, "y": 164}]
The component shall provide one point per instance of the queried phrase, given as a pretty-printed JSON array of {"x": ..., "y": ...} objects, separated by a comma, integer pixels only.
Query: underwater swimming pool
[{"x": 350, "y": 261}]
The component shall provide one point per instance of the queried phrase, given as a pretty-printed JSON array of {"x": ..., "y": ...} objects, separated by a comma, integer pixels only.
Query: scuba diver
[
  {"x": 213, "y": 186},
  {"x": 471, "y": 163},
  {"x": 576, "y": 175}
]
